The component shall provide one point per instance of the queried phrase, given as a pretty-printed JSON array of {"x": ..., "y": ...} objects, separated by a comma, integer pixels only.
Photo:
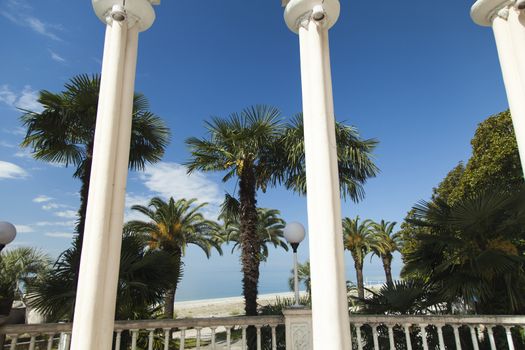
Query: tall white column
[
  {"x": 98, "y": 279},
  {"x": 311, "y": 19},
  {"x": 507, "y": 19}
]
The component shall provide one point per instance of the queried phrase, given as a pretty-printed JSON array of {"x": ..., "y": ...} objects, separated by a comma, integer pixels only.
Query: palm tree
[
  {"x": 64, "y": 132},
  {"x": 473, "y": 249},
  {"x": 259, "y": 150},
  {"x": 172, "y": 227},
  {"x": 303, "y": 274},
  {"x": 145, "y": 276},
  {"x": 387, "y": 243},
  {"x": 359, "y": 240},
  {"x": 269, "y": 227}
]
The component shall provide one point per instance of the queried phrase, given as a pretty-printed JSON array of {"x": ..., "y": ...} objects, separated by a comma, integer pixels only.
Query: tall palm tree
[
  {"x": 172, "y": 227},
  {"x": 259, "y": 150},
  {"x": 387, "y": 243},
  {"x": 64, "y": 131},
  {"x": 359, "y": 240},
  {"x": 269, "y": 227}
]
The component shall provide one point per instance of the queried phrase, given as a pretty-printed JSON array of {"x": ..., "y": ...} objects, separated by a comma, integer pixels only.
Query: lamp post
[
  {"x": 99, "y": 265},
  {"x": 312, "y": 19},
  {"x": 507, "y": 19},
  {"x": 7, "y": 234},
  {"x": 294, "y": 233}
]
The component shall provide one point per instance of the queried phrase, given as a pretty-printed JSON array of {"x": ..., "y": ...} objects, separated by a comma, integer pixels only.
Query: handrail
[{"x": 438, "y": 319}]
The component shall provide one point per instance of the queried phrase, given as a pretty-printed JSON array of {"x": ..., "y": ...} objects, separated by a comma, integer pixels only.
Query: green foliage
[
  {"x": 386, "y": 243},
  {"x": 145, "y": 276},
  {"x": 19, "y": 269},
  {"x": 473, "y": 250},
  {"x": 303, "y": 274}
]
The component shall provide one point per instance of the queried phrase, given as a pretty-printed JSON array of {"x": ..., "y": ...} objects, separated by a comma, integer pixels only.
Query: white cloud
[
  {"x": 24, "y": 229},
  {"x": 66, "y": 214},
  {"x": 51, "y": 206},
  {"x": 11, "y": 171},
  {"x": 19, "y": 12},
  {"x": 18, "y": 130},
  {"x": 7, "y": 144},
  {"x": 172, "y": 180},
  {"x": 42, "y": 199},
  {"x": 56, "y": 57},
  {"x": 59, "y": 234},
  {"x": 27, "y": 99},
  {"x": 70, "y": 223}
]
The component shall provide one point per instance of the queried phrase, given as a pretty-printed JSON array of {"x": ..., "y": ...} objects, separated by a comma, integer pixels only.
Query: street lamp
[
  {"x": 294, "y": 233},
  {"x": 7, "y": 234}
]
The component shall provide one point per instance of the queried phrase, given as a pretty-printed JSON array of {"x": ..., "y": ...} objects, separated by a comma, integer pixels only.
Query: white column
[
  {"x": 312, "y": 19},
  {"x": 508, "y": 24},
  {"x": 99, "y": 268}
]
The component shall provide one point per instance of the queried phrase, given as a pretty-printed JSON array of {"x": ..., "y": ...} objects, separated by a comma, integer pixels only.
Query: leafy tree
[
  {"x": 359, "y": 240},
  {"x": 172, "y": 227},
  {"x": 64, "y": 132},
  {"x": 495, "y": 159},
  {"x": 386, "y": 243},
  {"x": 474, "y": 250},
  {"x": 259, "y": 150},
  {"x": 145, "y": 276}
]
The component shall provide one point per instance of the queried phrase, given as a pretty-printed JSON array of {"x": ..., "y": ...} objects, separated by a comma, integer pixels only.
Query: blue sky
[{"x": 417, "y": 75}]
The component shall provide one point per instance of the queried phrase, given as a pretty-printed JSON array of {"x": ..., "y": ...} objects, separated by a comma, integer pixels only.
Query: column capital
[
  {"x": 138, "y": 12},
  {"x": 483, "y": 12},
  {"x": 297, "y": 12}
]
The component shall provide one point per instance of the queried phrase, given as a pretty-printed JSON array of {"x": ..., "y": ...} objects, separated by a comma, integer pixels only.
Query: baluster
[
  {"x": 358, "y": 333},
  {"x": 440, "y": 336},
  {"x": 198, "y": 341},
  {"x": 424, "y": 336},
  {"x": 228, "y": 338},
  {"x": 456, "y": 336},
  {"x": 32, "y": 342},
  {"x": 259, "y": 347},
  {"x": 14, "y": 340},
  {"x": 391, "y": 337},
  {"x": 274, "y": 338},
  {"x": 510, "y": 342},
  {"x": 182, "y": 338},
  {"x": 150, "y": 338},
  {"x": 351, "y": 336},
  {"x": 212, "y": 338},
  {"x": 491, "y": 337},
  {"x": 50, "y": 337},
  {"x": 167, "y": 339},
  {"x": 243, "y": 337},
  {"x": 134, "y": 336},
  {"x": 117, "y": 340},
  {"x": 68, "y": 341},
  {"x": 407, "y": 337},
  {"x": 474, "y": 337},
  {"x": 374, "y": 335}
]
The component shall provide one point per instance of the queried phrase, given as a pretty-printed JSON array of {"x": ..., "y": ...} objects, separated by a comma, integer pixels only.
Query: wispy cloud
[
  {"x": 59, "y": 235},
  {"x": 27, "y": 99},
  {"x": 7, "y": 144},
  {"x": 172, "y": 180},
  {"x": 20, "y": 13},
  {"x": 66, "y": 214},
  {"x": 24, "y": 229},
  {"x": 56, "y": 57},
  {"x": 18, "y": 130},
  {"x": 70, "y": 223},
  {"x": 11, "y": 171},
  {"x": 42, "y": 199}
]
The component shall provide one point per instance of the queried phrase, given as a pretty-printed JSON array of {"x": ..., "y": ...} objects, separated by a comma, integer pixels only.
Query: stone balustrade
[{"x": 293, "y": 331}]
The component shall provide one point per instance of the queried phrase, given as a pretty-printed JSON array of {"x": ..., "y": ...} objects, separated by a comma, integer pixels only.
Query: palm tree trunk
[
  {"x": 360, "y": 281},
  {"x": 387, "y": 265},
  {"x": 84, "y": 192},
  {"x": 250, "y": 244},
  {"x": 169, "y": 298}
]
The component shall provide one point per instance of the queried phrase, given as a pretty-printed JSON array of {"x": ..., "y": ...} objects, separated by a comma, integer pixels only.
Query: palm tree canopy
[
  {"x": 387, "y": 241},
  {"x": 353, "y": 153},
  {"x": 174, "y": 225},
  {"x": 64, "y": 131},
  {"x": 269, "y": 227},
  {"x": 358, "y": 237},
  {"x": 474, "y": 247}
]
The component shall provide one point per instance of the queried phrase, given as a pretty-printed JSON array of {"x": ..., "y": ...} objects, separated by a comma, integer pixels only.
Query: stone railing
[
  {"x": 264, "y": 332},
  {"x": 293, "y": 331}
]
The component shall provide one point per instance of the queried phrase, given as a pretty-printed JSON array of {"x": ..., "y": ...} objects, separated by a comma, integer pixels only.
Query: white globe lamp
[
  {"x": 7, "y": 233},
  {"x": 294, "y": 233}
]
